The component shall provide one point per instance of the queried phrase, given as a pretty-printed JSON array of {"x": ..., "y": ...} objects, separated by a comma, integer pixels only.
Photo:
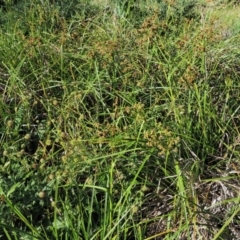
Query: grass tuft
[{"x": 119, "y": 119}]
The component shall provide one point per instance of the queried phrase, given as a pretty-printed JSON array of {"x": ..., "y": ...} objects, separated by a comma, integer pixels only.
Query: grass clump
[{"x": 119, "y": 120}]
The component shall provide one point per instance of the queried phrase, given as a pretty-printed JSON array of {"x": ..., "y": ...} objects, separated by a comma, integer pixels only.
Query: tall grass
[{"x": 119, "y": 120}]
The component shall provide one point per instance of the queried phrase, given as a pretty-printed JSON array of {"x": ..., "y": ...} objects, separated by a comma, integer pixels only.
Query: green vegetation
[{"x": 119, "y": 119}]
